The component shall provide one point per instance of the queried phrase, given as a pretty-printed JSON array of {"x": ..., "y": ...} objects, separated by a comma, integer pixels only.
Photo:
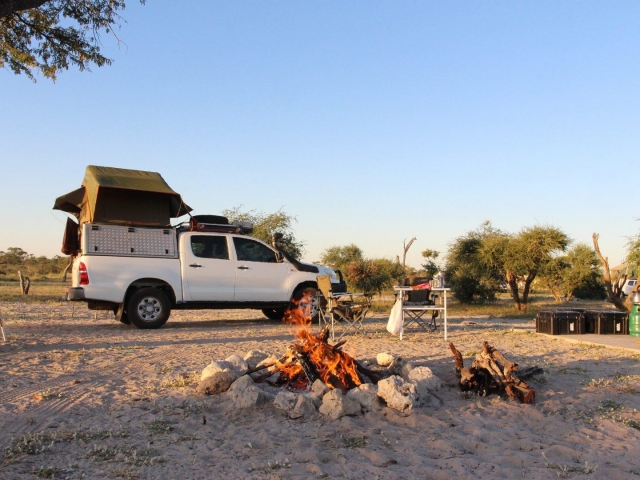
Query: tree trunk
[
  {"x": 25, "y": 283},
  {"x": 612, "y": 295},
  {"x": 512, "y": 280},
  {"x": 66, "y": 270},
  {"x": 527, "y": 287},
  {"x": 406, "y": 246}
]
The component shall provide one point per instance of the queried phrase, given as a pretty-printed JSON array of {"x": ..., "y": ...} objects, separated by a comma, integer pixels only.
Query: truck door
[
  {"x": 207, "y": 267},
  {"x": 259, "y": 277}
]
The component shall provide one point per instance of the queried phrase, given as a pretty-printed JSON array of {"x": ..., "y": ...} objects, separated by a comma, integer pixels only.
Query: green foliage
[
  {"x": 56, "y": 34},
  {"x": 472, "y": 271},
  {"x": 430, "y": 266},
  {"x": 576, "y": 274},
  {"x": 363, "y": 274},
  {"x": 266, "y": 224},
  {"x": 633, "y": 252},
  {"x": 479, "y": 263},
  {"x": 373, "y": 275},
  {"x": 339, "y": 257},
  {"x": 15, "y": 259}
]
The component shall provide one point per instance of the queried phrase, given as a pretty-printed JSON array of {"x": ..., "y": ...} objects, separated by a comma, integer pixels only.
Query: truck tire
[
  {"x": 148, "y": 308},
  {"x": 274, "y": 313},
  {"x": 305, "y": 300}
]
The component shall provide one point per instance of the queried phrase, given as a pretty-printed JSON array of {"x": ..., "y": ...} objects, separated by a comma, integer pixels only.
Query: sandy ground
[{"x": 91, "y": 398}]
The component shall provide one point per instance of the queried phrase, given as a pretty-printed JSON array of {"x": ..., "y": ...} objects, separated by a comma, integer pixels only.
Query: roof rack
[{"x": 237, "y": 226}]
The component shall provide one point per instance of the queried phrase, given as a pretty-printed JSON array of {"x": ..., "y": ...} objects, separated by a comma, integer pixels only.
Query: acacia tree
[
  {"x": 371, "y": 275},
  {"x": 50, "y": 35},
  {"x": 577, "y": 273},
  {"x": 430, "y": 266},
  {"x": 521, "y": 257},
  {"x": 266, "y": 224},
  {"x": 470, "y": 276},
  {"x": 338, "y": 257}
]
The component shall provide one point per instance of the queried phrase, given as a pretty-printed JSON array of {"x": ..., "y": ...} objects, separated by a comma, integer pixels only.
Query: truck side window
[
  {"x": 251, "y": 251},
  {"x": 207, "y": 246}
]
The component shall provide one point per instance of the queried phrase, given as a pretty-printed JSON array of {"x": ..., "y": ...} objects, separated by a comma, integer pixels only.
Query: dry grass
[{"x": 49, "y": 290}]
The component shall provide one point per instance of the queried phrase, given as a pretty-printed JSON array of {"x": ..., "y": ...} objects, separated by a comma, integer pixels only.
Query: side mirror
[{"x": 279, "y": 257}]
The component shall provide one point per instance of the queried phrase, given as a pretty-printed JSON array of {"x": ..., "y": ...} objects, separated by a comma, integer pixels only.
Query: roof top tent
[{"x": 123, "y": 197}]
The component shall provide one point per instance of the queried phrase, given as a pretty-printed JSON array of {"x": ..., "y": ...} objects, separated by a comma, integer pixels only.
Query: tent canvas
[{"x": 123, "y": 197}]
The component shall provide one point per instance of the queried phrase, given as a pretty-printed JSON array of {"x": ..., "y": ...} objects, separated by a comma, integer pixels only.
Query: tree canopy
[
  {"x": 481, "y": 262},
  {"x": 370, "y": 275},
  {"x": 51, "y": 35},
  {"x": 266, "y": 224}
]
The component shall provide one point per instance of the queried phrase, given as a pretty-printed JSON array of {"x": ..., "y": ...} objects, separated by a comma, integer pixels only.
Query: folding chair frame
[
  {"x": 348, "y": 309},
  {"x": 415, "y": 314}
]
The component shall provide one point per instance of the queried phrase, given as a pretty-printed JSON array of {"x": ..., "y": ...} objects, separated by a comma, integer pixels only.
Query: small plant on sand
[
  {"x": 354, "y": 442},
  {"x": 159, "y": 427},
  {"x": 46, "y": 472},
  {"x": 271, "y": 466},
  {"x": 182, "y": 380},
  {"x": 564, "y": 471}
]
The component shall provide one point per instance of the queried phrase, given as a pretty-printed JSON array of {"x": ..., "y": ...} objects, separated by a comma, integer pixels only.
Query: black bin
[
  {"x": 612, "y": 322},
  {"x": 560, "y": 322}
]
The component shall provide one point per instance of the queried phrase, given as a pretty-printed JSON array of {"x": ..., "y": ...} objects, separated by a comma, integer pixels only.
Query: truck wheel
[
  {"x": 148, "y": 308},
  {"x": 305, "y": 301},
  {"x": 274, "y": 313}
]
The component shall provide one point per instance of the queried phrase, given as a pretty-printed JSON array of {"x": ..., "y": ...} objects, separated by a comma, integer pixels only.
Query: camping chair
[
  {"x": 417, "y": 304},
  {"x": 341, "y": 309}
]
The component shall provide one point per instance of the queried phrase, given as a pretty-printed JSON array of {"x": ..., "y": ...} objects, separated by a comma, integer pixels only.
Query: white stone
[
  {"x": 384, "y": 359},
  {"x": 398, "y": 394},
  {"x": 336, "y": 405},
  {"x": 319, "y": 388},
  {"x": 285, "y": 401},
  {"x": 238, "y": 364},
  {"x": 214, "y": 367},
  {"x": 405, "y": 370},
  {"x": 304, "y": 407},
  {"x": 254, "y": 357},
  {"x": 244, "y": 393},
  {"x": 424, "y": 380},
  {"x": 367, "y": 395},
  {"x": 217, "y": 383}
]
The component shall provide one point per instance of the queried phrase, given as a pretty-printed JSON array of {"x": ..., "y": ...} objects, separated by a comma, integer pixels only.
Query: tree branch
[{"x": 9, "y": 7}]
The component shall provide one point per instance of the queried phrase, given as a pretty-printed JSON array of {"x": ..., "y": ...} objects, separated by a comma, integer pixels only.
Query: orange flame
[{"x": 335, "y": 368}]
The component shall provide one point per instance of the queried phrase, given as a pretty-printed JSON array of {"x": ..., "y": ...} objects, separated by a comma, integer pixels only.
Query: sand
[{"x": 91, "y": 398}]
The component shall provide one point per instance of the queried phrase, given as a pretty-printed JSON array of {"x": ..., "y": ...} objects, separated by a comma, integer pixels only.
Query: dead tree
[
  {"x": 614, "y": 292},
  {"x": 25, "y": 283},
  {"x": 66, "y": 269}
]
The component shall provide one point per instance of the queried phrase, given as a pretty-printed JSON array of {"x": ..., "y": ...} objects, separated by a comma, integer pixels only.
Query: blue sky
[{"x": 371, "y": 122}]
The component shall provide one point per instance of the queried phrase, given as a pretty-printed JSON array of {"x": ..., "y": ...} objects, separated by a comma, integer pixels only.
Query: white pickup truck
[{"x": 141, "y": 274}]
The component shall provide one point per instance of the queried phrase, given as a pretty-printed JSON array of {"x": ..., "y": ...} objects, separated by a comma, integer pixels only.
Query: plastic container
[
  {"x": 634, "y": 321},
  {"x": 560, "y": 322}
]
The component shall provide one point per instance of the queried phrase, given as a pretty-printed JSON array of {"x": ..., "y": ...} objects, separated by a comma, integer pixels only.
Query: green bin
[{"x": 634, "y": 321}]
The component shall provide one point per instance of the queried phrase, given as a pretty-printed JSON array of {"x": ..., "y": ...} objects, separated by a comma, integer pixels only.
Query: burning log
[{"x": 491, "y": 372}]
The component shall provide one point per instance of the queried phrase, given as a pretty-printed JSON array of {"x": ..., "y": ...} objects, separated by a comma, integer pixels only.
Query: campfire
[
  {"x": 313, "y": 376},
  {"x": 311, "y": 357}
]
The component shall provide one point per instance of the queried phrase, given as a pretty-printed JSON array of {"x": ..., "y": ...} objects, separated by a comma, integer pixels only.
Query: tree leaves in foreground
[
  {"x": 266, "y": 224},
  {"x": 56, "y": 34}
]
